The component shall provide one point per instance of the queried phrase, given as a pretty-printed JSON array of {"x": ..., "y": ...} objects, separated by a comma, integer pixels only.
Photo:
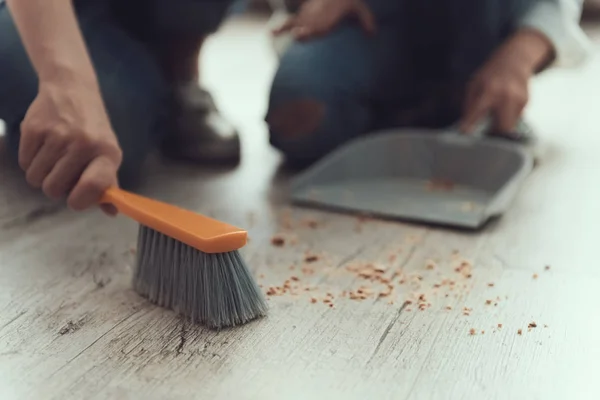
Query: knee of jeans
[
  {"x": 296, "y": 128},
  {"x": 300, "y": 114},
  {"x": 308, "y": 118}
]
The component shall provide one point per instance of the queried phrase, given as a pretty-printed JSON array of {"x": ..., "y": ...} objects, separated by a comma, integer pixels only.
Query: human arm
[
  {"x": 548, "y": 35},
  {"x": 67, "y": 145}
]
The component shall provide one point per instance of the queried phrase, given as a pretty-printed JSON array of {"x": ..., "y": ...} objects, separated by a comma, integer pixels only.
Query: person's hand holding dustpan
[{"x": 500, "y": 89}]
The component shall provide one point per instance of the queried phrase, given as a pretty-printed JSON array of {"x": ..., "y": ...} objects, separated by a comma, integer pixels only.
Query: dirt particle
[
  {"x": 308, "y": 271},
  {"x": 311, "y": 223},
  {"x": 488, "y": 302},
  {"x": 520, "y": 332},
  {"x": 535, "y": 276},
  {"x": 295, "y": 278},
  {"x": 547, "y": 268},
  {"x": 490, "y": 284},
  {"x": 499, "y": 325},
  {"x": 313, "y": 300},
  {"x": 472, "y": 332},
  {"x": 278, "y": 241},
  {"x": 532, "y": 325},
  {"x": 311, "y": 258}
]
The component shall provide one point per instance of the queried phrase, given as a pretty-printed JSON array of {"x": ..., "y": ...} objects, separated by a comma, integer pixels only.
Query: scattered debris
[
  {"x": 379, "y": 280},
  {"x": 278, "y": 241},
  {"x": 310, "y": 223},
  {"x": 311, "y": 258}
]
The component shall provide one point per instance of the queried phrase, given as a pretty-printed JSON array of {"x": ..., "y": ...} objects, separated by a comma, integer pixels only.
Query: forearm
[
  {"x": 52, "y": 38},
  {"x": 531, "y": 47}
]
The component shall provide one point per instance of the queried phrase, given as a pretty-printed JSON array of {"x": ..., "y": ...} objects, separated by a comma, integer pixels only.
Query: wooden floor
[{"x": 71, "y": 327}]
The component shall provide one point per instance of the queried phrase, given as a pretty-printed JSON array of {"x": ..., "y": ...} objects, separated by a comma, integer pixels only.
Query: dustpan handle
[{"x": 483, "y": 128}]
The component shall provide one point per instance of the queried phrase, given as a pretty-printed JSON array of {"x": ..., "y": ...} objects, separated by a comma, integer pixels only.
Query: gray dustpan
[{"x": 418, "y": 175}]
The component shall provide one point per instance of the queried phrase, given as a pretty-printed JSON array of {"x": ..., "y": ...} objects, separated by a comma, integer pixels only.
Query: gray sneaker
[{"x": 198, "y": 132}]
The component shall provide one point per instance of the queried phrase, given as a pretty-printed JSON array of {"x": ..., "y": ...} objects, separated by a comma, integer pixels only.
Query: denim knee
[{"x": 309, "y": 117}]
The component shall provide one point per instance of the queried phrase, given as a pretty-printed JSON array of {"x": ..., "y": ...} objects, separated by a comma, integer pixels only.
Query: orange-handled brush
[
  {"x": 205, "y": 234},
  {"x": 189, "y": 262}
]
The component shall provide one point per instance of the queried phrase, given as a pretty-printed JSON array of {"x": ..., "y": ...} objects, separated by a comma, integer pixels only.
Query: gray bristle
[{"x": 216, "y": 290}]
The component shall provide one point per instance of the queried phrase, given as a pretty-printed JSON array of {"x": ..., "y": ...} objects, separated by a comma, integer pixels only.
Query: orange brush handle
[{"x": 203, "y": 233}]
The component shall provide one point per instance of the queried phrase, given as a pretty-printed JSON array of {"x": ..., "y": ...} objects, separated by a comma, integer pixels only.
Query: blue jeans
[
  {"x": 422, "y": 55},
  {"x": 118, "y": 35}
]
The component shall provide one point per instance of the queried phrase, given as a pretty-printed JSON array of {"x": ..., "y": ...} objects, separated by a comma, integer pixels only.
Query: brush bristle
[{"x": 216, "y": 290}]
